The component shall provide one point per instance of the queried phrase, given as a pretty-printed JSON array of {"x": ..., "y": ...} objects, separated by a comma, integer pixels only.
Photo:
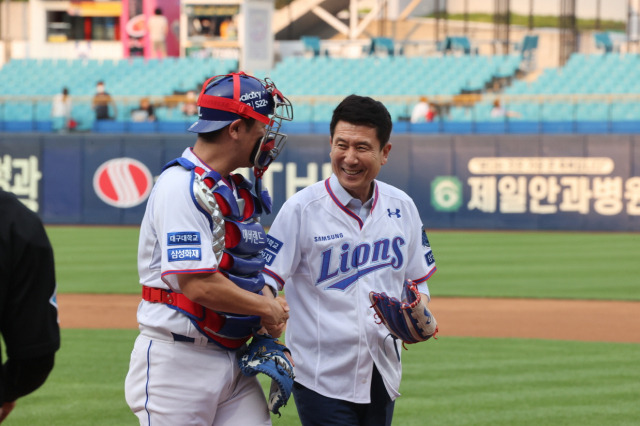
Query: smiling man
[{"x": 332, "y": 244}]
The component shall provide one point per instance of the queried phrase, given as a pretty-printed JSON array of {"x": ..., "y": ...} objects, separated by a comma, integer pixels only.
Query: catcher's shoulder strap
[
  {"x": 179, "y": 161},
  {"x": 206, "y": 192}
]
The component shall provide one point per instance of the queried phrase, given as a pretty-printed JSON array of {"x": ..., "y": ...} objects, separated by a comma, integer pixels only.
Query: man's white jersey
[
  {"x": 175, "y": 238},
  {"x": 328, "y": 260}
]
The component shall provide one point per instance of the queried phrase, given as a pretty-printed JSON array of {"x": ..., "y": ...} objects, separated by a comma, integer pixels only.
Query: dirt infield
[{"x": 603, "y": 321}]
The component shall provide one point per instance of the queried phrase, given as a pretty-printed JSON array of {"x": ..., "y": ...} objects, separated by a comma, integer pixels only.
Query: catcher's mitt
[
  {"x": 410, "y": 320},
  {"x": 266, "y": 355}
]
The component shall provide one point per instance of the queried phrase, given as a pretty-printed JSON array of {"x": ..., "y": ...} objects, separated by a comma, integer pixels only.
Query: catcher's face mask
[
  {"x": 273, "y": 141},
  {"x": 224, "y": 99}
]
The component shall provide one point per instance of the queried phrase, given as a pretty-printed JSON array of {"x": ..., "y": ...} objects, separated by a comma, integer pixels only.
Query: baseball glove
[
  {"x": 266, "y": 355},
  {"x": 409, "y": 320}
]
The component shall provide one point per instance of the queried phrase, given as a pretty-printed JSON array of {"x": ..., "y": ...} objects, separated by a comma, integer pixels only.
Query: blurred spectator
[
  {"x": 101, "y": 102},
  {"x": 228, "y": 29},
  {"x": 431, "y": 113},
  {"x": 420, "y": 110},
  {"x": 206, "y": 27},
  {"x": 61, "y": 112},
  {"x": 158, "y": 30},
  {"x": 190, "y": 105},
  {"x": 499, "y": 111},
  {"x": 144, "y": 112}
]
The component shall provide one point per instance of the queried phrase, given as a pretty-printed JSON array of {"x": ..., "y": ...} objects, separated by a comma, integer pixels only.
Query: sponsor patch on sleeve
[
  {"x": 268, "y": 257},
  {"x": 429, "y": 258},
  {"x": 425, "y": 239},
  {"x": 183, "y": 238},
  {"x": 177, "y": 254},
  {"x": 273, "y": 244}
]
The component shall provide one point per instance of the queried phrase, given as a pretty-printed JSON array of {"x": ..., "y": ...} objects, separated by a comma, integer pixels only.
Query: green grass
[
  {"x": 449, "y": 381},
  {"x": 566, "y": 265},
  {"x": 95, "y": 259},
  {"x": 86, "y": 386},
  {"x": 464, "y": 381}
]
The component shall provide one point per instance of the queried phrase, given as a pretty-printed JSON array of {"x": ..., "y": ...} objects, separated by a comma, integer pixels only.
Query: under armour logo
[{"x": 396, "y": 213}]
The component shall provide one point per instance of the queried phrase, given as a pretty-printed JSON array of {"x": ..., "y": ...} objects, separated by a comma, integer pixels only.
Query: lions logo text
[{"x": 355, "y": 262}]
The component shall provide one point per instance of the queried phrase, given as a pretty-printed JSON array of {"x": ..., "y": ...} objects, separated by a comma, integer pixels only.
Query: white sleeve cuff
[{"x": 424, "y": 289}]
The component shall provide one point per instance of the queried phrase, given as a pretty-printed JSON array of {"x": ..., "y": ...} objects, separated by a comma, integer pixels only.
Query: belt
[
  {"x": 181, "y": 338},
  {"x": 203, "y": 341}
]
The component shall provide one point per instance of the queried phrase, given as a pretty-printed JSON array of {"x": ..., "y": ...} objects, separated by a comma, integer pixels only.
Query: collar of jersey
[
  {"x": 191, "y": 156},
  {"x": 342, "y": 197}
]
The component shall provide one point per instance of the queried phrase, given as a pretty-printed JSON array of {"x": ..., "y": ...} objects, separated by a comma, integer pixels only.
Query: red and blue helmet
[{"x": 226, "y": 98}]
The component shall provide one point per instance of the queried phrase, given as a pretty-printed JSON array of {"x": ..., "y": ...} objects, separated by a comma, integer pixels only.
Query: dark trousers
[{"x": 317, "y": 410}]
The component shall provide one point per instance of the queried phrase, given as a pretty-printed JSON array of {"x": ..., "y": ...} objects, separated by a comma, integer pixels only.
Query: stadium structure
[{"x": 568, "y": 66}]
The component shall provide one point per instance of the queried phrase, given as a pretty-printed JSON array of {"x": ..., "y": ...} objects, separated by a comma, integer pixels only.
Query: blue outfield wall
[{"x": 479, "y": 181}]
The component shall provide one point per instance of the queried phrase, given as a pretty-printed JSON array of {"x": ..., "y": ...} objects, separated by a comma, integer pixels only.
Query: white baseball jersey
[
  {"x": 176, "y": 382},
  {"x": 328, "y": 259},
  {"x": 175, "y": 238}
]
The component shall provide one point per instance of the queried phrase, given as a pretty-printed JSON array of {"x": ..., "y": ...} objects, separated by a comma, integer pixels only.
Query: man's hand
[
  {"x": 219, "y": 293},
  {"x": 276, "y": 329},
  {"x": 409, "y": 320}
]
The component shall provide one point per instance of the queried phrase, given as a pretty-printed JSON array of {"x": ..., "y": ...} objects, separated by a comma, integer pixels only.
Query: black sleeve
[
  {"x": 28, "y": 307},
  {"x": 23, "y": 376}
]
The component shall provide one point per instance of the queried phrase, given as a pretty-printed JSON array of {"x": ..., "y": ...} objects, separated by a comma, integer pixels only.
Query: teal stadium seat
[
  {"x": 603, "y": 41},
  {"x": 371, "y": 75},
  {"x": 455, "y": 43},
  {"x": 312, "y": 44},
  {"x": 384, "y": 45}
]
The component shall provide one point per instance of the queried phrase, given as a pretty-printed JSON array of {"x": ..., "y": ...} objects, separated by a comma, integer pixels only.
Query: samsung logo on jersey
[
  {"x": 177, "y": 254},
  {"x": 327, "y": 237}
]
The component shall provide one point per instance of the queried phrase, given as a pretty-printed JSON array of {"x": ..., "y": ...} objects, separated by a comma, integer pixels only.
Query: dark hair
[
  {"x": 363, "y": 110},
  {"x": 158, "y": 11},
  {"x": 65, "y": 91}
]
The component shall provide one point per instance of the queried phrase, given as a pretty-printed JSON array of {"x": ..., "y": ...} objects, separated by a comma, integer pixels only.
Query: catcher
[{"x": 199, "y": 259}]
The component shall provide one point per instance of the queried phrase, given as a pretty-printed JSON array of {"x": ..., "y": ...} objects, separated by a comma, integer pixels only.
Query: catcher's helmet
[{"x": 226, "y": 98}]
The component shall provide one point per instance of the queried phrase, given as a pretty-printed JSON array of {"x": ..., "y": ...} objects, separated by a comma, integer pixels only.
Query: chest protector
[{"x": 238, "y": 240}]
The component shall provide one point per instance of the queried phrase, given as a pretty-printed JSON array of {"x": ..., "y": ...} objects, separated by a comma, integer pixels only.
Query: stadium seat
[
  {"x": 108, "y": 126},
  {"x": 458, "y": 43},
  {"x": 173, "y": 126},
  {"x": 384, "y": 45},
  {"x": 603, "y": 41},
  {"x": 312, "y": 44},
  {"x": 377, "y": 75},
  {"x": 141, "y": 127}
]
